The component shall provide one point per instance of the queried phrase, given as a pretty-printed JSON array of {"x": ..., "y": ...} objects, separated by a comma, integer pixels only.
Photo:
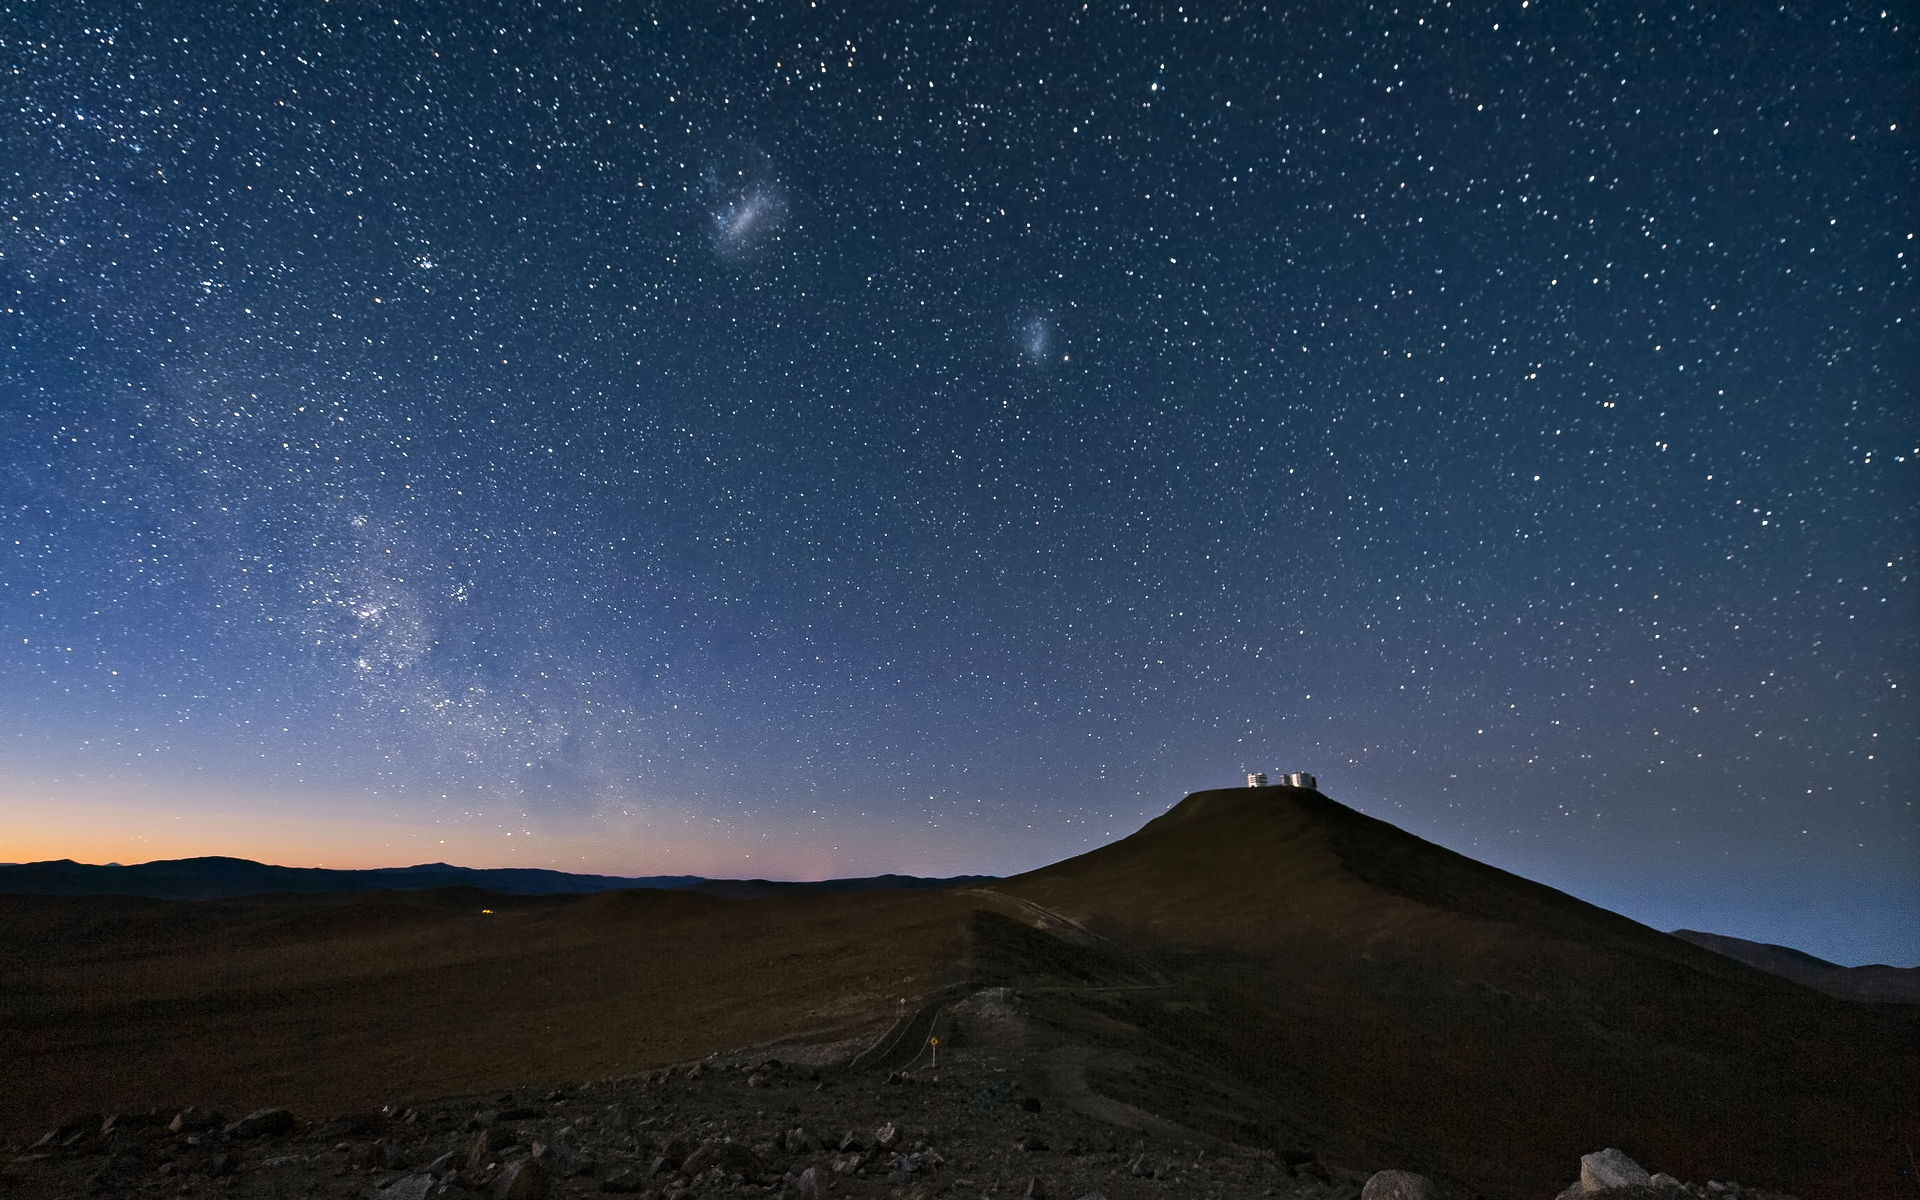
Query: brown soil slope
[
  {"x": 324, "y": 1002},
  {"x": 1399, "y": 1003}
]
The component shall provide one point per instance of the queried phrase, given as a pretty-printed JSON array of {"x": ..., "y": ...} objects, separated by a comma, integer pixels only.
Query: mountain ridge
[
  {"x": 1874, "y": 981},
  {"x": 221, "y": 877}
]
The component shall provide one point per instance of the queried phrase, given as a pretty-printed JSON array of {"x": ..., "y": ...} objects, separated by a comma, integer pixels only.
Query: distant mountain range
[
  {"x": 219, "y": 878},
  {"x": 1849, "y": 983}
]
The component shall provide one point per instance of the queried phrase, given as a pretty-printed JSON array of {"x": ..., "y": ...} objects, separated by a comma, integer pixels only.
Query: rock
[
  {"x": 1028, "y": 1141},
  {"x": 194, "y": 1120},
  {"x": 623, "y": 1180},
  {"x": 130, "y": 1142},
  {"x": 118, "y": 1174},
  {"x": 523, "y": 1179},
  {"x": 1665, "y": 1182},
  {"x": 568, "y": 1158},
  {"x": 1398, "y": 1185},
  {"x": 1611, "y": 1169},
  {"x": 798, "y": 1141},
  {"x": 885, "y": 1136},
  {"x": 1036, "y": 1190},
  {"x": 264, "y": 1122},
  {"x": 675, "y": 1150},
  {"x": 486, "y": 1146},
  {"x": 121, "y": 1122},
  {"x": 809, "y": 1185},
  {"x": 731, "y": 1157},
  {"x": 407, "y": 1187},
  {"x": 73, "y": 1130},
  {"x": 361, "y": 1123}
]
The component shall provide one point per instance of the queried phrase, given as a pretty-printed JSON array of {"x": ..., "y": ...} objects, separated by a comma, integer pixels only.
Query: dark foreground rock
[
  {"x": 799, "y": 1133},
  {"x": 1612, "y": 1174},
  {"x": 741, "y": 1125}
]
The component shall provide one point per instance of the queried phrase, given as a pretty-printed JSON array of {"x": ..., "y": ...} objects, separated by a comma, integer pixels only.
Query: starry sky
[{"x": 809, "y": 439}]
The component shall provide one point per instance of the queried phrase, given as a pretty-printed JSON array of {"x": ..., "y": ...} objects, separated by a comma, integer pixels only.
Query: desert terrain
[{"x": 1260, "y": 993}]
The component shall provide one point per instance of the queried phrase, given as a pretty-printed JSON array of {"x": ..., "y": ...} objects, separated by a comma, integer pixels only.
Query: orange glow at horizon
[{"x": 128, "y": 825}]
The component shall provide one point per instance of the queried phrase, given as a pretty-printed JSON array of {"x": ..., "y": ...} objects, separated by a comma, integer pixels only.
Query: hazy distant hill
[
  {"x": 218, "y": 878},
  {"x": 1853, "y": 983}
]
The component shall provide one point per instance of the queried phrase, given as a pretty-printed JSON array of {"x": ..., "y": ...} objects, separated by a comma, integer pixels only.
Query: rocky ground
[{"x": 793, "y": 1121}]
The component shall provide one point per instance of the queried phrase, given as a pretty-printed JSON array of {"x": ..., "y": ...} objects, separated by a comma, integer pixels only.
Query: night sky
[{"x": 800, "y": 440}]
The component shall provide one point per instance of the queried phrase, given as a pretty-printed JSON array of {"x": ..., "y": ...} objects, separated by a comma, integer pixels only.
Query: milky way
[{"x": 791, "y": 441}]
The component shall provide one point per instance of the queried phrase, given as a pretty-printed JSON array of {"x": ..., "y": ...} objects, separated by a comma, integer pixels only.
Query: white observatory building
[{"x": 1299, "y": 779}]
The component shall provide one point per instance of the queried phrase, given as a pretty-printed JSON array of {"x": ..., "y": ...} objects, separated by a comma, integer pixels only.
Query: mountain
[
  {"x": 212, "y": 878},
  {"x": 1353, "y": 987},
  {"x": 1876, "y": 982},
  {"x": 1256, "y": 970}
]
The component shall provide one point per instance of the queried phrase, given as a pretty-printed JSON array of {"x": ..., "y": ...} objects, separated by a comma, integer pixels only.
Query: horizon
[
  {"x": 1736, "y": 917},
  {"x": 810, "y": 440}
]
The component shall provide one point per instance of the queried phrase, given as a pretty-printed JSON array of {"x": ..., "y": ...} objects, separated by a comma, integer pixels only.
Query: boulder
[
  {"x": 731, "y": 1157},
  {"x": 264, "y": 1122},
  {"x": 486, "y": 1146},
  {"x": 1398, "y": 1185},
  {"x": 674, "y": 1151},
  {"x": 523, "y": 1179},
  {"x": 194, "y": 1120},
  {"x": 360, "y": 1123},
  {"x": 407, "y": 1187},
  {"x": 122, "y": 1121},
  {"x": 120, "y": 1173},
  {"x": 73, "y": 1130},
  {"x": 1611, "y": 1168},
  {"x": 568, "y": 1158}
]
